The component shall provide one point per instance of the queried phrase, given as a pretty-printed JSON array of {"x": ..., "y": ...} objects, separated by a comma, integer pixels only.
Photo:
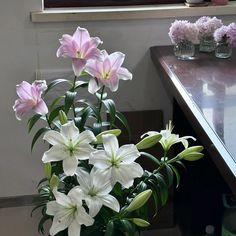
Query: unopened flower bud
[
  {"x": 116, "y": 132},
  {"x": 47, "y": 168},
  {"x": 140, "y": 222},
  {"x": 54, "y": 182},
  {"x": 149, "y": 141},
  {"x": 191, "y": 153},
  {"x": 62, "y": 117},
  {"x": 139, "y": 200}
]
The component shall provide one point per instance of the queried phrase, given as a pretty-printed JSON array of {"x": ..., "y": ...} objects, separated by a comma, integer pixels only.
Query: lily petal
[
  {"x": 126, "y": 173},
  {"x": 53, "y": 137},
  {"x": 55, "y": 153},
  {"x": 82, "y": 217},
  {"x": 78, "y": 65},
  {"x": 61, "y": 221},
  {"x": 111, "y": 202},
  {"x": 23, "y": 90},
  {"x": 110, "y": 144},
  {"x": 94, "y": 205},
  {"x": 69, "y": 130},
  {"x": 117, "y": 59},
  {"x": 74, "y": 229},
  {"x": 93, "y": 86},
  {"x": 128, "y": 153},
  {"x": 41, "y": 107},
  {"x": 124, "y": 74},
  {"x": 86, "y": 137},
  {"x": 69, "y": 165},
  {"x": 100, "y": 160}
]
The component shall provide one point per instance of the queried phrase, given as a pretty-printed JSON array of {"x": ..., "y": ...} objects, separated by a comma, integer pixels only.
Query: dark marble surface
[{"x": 210, "y": 83}]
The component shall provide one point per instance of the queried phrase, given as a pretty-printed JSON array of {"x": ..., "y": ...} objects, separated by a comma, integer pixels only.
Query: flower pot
[{"x": 184, "y": 50}]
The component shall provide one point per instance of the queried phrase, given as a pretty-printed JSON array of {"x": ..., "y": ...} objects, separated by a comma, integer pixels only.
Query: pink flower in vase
[
  {"x": 80, "y": 47},
  {"x": 231, "y": 33}
]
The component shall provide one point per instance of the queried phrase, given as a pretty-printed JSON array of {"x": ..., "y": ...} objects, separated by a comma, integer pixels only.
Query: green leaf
[
  {"x": 54, "y": 113},
  {"x": 42, "y": 181},
  {"x": 54, "y": 83},
  {"x": 41, "y": 223},
  {"x": 110, "y": 228},
  {"x": 55, "y": 102},
  {"x": 170, "y": 175},
  {"x": 81, "y": 121},
  {"x": 37, "y": 135},
  {"x": 151, "y": 157},
  {"x": 111, "y": 108},
  {"x": 37, "y": 207},
  {"x": 124, "y": 122},
  {"x": 69, "y": 100},
  {"x": 163, "y": 188},
  {"x": 80, "y": 84},
  {"x": 176, "y": 175},
  {"x": 32, "y": 121},
  {"x": 127, "y": 226}
]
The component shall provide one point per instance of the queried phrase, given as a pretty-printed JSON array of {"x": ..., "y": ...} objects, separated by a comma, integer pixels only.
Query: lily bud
[
  {"x": 62, "y": 117},
  {"x": 47, "y": 168},
  {"x": 54, "y": 182},
  {"x": 191, "y": 153},
  {"x": 139, "y": 200},
  {"x": 140, "y": 222},
  {"x": 116, "y": 132},
  {"x": 149, "y": 141}
]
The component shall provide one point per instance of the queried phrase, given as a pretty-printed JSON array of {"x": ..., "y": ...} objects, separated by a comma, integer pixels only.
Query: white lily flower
[
  {"x": 68, "y": 213},
  {"x": 96, "y": 187},
  {"x": 168, "y": 139},
  {"x": 118, "y": 163},
  {"x": 68, "y": 145}
]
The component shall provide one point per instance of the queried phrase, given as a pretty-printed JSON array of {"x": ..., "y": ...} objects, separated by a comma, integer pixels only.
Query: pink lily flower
[
  {"x": 107, "y": 71},
  {"x": 80, "y": 47},
  {"x": 30, "y": 98}
]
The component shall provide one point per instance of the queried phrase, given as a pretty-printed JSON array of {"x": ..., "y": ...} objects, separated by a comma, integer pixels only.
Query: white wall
[{"x": 26, "y": 47}]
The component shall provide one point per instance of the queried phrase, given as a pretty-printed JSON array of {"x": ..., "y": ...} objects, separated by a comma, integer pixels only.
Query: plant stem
[
  {"x": 99, "y": 119},
  {"x": 73, "y": 89}
]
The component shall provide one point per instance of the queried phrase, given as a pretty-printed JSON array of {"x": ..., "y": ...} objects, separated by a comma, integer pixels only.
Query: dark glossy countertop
[{"x": 206, "y": 86}]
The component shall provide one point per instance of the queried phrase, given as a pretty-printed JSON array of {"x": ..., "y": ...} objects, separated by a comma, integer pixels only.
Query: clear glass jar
[
  {"x": 207, "y": 44},
  {"x": 184, "y": 50},
  {"x": 223, "y": 49}
]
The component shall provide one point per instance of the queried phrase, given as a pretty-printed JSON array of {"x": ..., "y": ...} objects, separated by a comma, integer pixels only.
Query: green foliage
[{"x": 103, "y": 118}]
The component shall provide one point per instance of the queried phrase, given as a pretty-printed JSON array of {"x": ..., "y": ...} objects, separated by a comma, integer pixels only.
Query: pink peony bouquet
[
  {"x": 207, "y": 26},
  {"x": 182, "y": 30},
  {"x": 92, "y": 184}
]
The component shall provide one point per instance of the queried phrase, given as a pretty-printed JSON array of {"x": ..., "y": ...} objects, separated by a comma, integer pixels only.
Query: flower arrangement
[
  {"x": 92, "y": 185},
  {"x": 207, "y": 26},
  {"x": 182, "y": 30},
  {"x": 226, "y": 33}
]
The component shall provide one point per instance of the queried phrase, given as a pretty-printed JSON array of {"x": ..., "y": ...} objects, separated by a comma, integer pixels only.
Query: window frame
[{"x": 102, "y": 3}]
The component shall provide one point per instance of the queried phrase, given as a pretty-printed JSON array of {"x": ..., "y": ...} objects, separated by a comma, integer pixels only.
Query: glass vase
[
  {"x": 223, "y": 50},
  {"x": 184, "y": 50},
  {"x": 207, "y": 44}
]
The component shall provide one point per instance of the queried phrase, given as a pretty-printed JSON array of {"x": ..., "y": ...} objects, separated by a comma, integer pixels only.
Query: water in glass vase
[
  {"x": 184, "y": 50},
  {"x": 223, "y": 50},
  {"x": 207, "y": 44}
]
